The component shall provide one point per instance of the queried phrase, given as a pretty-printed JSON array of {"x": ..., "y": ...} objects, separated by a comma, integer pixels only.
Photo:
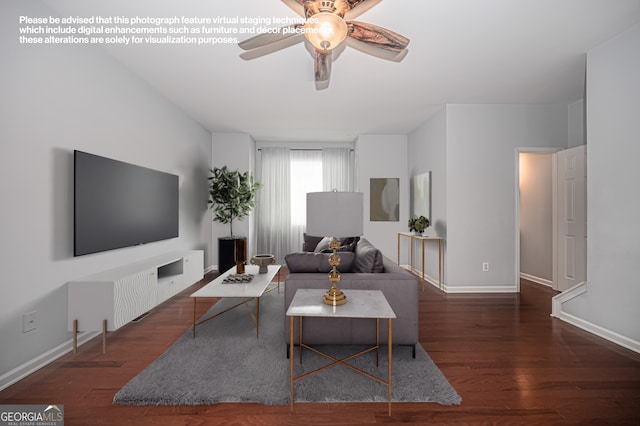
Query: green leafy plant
[
  {"x": 231, "y": 195},
  {"x": 418, "y": 224}
]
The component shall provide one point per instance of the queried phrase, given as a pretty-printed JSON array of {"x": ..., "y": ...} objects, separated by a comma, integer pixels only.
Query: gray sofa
[{"x": 308, "y": 270}]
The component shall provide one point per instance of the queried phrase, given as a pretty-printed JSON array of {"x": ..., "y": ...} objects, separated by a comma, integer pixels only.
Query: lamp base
[{"x": 334, "y": 297}]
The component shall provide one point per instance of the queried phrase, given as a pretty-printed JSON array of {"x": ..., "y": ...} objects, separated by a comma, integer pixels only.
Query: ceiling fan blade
[
  {"x": 377, "y": 36},
  {"x": 296, "y": 5},
  {"x": 388, "y": 55},
  {"x": 271, "y": 48},
  {"x": 358, "y": 7},
  {"x": 322, "y": 67},
  {"x": 261, "y": 40}
]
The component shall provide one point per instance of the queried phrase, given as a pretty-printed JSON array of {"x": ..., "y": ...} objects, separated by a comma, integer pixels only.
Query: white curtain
[
  {"x": 287, "y": 175},
  {"x": 273, "y": 207},
  {"x": 306, "y": 173},
  {"x": 337, "y": 169}
]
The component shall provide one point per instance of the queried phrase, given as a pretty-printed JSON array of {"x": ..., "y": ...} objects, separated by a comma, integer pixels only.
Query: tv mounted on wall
[{"x": 118, "y": 204}]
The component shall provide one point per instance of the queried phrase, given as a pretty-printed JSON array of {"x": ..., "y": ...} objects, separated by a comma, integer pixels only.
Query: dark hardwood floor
[{"x": 508, "y": 359}]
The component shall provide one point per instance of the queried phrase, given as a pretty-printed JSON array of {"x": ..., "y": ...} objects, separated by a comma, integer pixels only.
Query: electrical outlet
[
  {"x": 28, "y": 321},
  {"x": 485, "y": 266}
]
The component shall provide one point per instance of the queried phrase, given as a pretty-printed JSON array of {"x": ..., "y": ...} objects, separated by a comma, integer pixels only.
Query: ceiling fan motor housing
[{"x": 336, "y": 7}]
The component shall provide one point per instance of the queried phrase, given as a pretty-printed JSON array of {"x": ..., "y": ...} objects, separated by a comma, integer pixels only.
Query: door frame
[{"x": 535, "y": 150}]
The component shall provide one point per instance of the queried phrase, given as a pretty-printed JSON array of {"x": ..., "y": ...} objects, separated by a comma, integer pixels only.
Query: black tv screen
[{"x": 117, "y": 204}]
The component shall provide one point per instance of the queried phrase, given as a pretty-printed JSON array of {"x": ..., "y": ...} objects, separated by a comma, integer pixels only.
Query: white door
[{"x": 571, "y": 217}]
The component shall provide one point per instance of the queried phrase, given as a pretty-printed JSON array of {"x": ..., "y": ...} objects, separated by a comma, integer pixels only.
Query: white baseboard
[
  {"x": 43, "y": 360},
  {"x": 565, "y": 296},
  {"x": 480, "y": 289},
  {"x": 537, "y": 280},
  {"x": 607, "y": 334},
  {"x": 427, "y": 278},
  {"x": 461, "y": 289},
  {"x": 612, "y": 336},
  {"x": 210, "y": 268}
]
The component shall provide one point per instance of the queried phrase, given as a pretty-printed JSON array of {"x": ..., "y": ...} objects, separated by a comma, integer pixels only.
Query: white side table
[{"x": 360, "y": 304}]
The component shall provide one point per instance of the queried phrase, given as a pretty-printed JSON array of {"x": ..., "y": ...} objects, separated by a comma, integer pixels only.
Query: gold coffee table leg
[{"x": 291, "y": 361}]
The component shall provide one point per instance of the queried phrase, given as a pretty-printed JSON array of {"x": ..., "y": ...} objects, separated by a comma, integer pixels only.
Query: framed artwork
[
  {"x": 384, "y": 202},
  {"x": 422, "y": 195}
]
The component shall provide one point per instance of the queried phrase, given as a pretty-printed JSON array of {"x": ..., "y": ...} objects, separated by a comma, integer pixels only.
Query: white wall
[
  {"x": 536, "y": 219},
  {"x": 576, "y": 127},
  {"x": 482, "y": 142},
  {"x": 236, "y": 151},
  {"x": 472, "y": 153},
  {"x": 383, "y": 156},
  {"x": 56, "y": 99},
  {"x": 610, "y": 306},
  {"x": 427, "y": 151}
]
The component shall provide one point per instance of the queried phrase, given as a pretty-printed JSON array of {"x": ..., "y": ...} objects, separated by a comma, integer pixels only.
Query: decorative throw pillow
[
  {"x": 349, "y": 244},
  {"x": 346, "y": 244},
  {"x": 323, "y": 245},
  {"x": 367, "y": 258},
  {"x": 310, "y": 242}
]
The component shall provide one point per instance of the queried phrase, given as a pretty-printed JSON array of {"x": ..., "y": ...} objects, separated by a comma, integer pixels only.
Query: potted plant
[
  {"x": 418, "y": 224},
  {"x": 231, "y": 196}
]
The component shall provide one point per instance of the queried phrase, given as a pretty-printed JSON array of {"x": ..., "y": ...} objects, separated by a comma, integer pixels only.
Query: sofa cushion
[
  {"x": 346, "y": 244},
  {"x": 310, "y": 242},
  {"x": 323, "y": 245},
  {"x": 368, "y": 258},
  {"x": 317, "y": 262}
]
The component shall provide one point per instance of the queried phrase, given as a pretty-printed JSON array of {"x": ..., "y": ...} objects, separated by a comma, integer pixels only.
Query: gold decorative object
[
  {"x": 334, "y": 296},
  {"x": 321, "y": 221}
]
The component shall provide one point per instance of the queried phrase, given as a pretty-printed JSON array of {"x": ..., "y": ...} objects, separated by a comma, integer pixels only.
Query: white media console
[{"x": 108, "y": 300}]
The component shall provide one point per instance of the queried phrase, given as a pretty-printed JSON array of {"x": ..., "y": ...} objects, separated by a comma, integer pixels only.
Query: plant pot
[{"x": 231, "y": 252}]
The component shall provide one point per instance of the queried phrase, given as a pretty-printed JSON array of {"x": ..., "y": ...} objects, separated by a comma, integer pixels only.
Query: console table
[
  {"x": 108, "y": 300},
  {"x": 361, "y": 304},
  {"x": 422, "y": 240}
]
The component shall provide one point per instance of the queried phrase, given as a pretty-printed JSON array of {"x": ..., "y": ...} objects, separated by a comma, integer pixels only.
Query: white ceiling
[{"x": 461, "y": 51}]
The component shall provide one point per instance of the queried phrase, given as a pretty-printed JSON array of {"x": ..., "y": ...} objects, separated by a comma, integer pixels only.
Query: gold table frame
[
  {"x": 411, "y": 267},
  {"x": 352, "y": 294},
  {"x": 255, "y": 315}
]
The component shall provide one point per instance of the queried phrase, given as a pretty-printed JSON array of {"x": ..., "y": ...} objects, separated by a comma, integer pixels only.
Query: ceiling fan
[{"x": 327, "y": 27}]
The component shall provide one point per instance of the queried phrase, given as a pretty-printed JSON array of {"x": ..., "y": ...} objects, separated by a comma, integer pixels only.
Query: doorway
[
  {"x": 535, "y": 214},
  {"x": 551, "y": 216}
]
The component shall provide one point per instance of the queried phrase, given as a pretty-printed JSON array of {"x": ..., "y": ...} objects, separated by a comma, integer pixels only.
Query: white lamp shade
[{"x": 335, "y": 214}]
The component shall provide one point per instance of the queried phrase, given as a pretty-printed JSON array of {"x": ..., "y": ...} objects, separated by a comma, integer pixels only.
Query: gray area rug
[{"x": 227, "y": 363}]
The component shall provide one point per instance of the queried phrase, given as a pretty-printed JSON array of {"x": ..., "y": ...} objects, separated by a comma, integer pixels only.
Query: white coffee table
[
  {"x": 360, "y": 304},
  {"x": 253, "y": 290}
]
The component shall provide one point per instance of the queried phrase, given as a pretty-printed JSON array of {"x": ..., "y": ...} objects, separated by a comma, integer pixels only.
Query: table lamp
[{"x": 334, "y": 214}]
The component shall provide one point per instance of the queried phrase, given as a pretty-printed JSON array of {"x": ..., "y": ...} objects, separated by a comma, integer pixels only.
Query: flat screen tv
[{"x": 118, "y": 204}]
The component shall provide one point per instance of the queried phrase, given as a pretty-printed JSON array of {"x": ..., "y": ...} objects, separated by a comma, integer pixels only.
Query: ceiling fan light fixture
[{"x": 325, "y": 30}]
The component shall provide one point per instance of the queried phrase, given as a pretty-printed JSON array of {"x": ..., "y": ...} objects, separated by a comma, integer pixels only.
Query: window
[
  {"x": 287, "y": 175},
  {"x": 306, "y": 176}
]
